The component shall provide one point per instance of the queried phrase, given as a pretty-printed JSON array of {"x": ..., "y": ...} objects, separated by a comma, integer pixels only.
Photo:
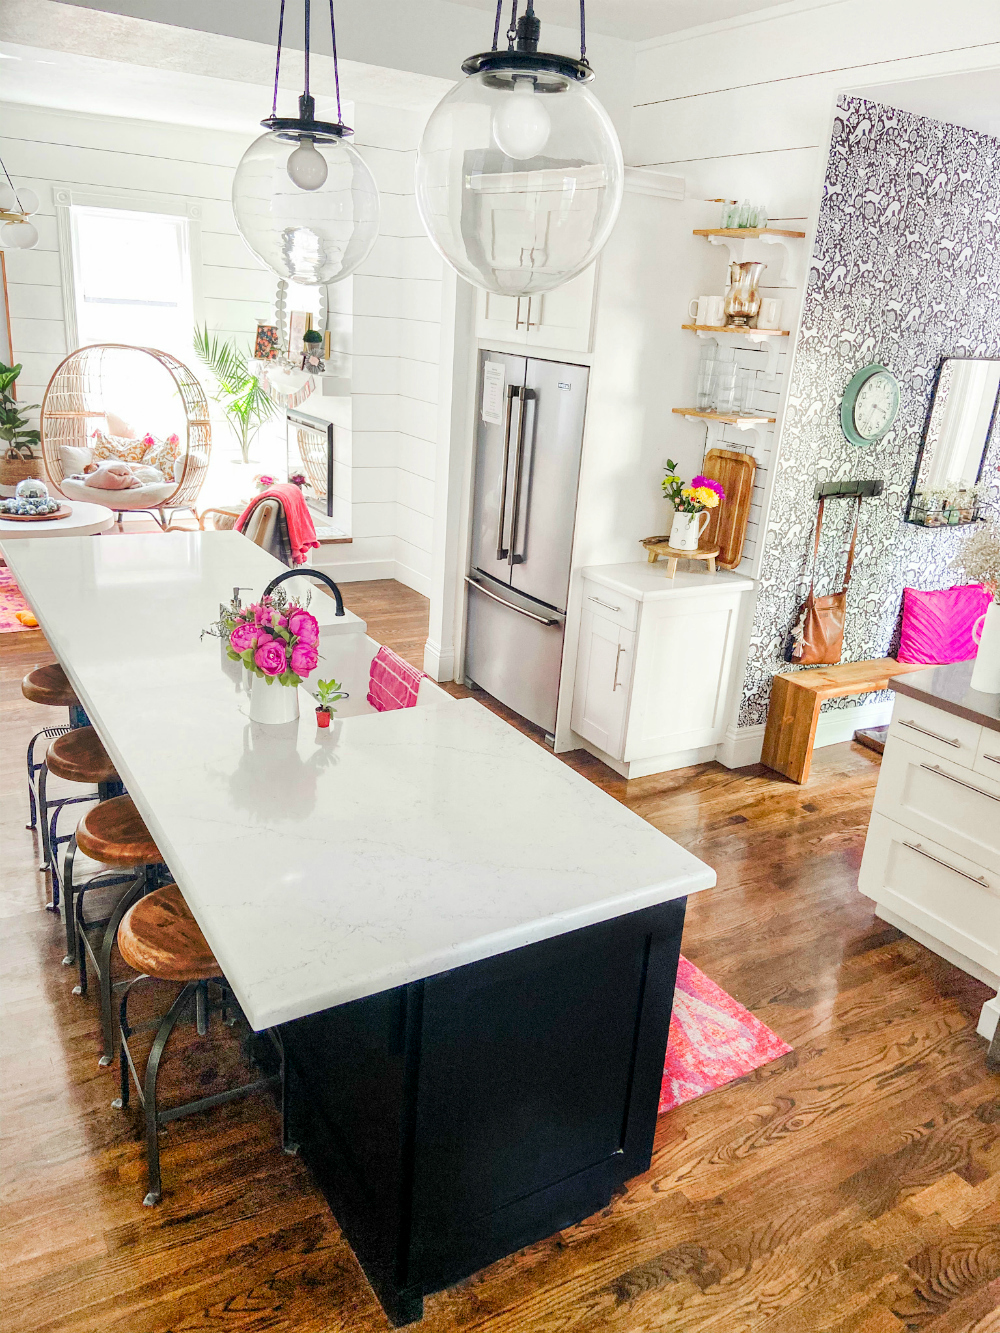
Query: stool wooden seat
[
  {"x": 79, "y": 756},
  {"x": 113, "y": 832},
  {"x": 48, "y": 685},
  {"x": 796, "y": 696},
  {"x": 160, "y": 937}
]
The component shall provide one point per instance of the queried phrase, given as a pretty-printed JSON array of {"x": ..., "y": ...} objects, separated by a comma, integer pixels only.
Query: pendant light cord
[
  {"x": 308, "y": 24},
  {"x": 277, "y": 62},
  {"x": 512, "y": 30},
  {"x": 496, "y": 25},
  {"x": 13, "y": 188},
  {"x": 583, "y": 30},
  {"x": 336, "y": 71}
]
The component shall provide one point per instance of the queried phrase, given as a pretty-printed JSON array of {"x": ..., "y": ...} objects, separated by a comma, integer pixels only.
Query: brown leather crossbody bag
[{"x": 818, "y": 633}]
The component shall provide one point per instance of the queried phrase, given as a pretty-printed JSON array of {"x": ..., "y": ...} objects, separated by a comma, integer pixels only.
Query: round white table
[{"x": 85, "y": 519}]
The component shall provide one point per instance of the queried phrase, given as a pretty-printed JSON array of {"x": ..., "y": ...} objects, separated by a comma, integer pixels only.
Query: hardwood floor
[{"x": 851, "y": 1187}]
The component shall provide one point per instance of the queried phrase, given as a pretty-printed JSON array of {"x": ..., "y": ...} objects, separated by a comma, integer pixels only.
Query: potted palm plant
[
  {"x": 238, "y": 390},
  {"x": 20, "y": 439}
]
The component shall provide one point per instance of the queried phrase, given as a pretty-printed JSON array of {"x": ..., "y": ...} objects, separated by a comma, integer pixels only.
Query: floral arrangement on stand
[
  {"x": 690, "y": 503},
  {"x": 979, "y": 559}
]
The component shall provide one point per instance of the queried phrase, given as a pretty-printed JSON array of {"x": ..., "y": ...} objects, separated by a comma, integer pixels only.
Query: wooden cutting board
[{"x": 727, "y": 528}]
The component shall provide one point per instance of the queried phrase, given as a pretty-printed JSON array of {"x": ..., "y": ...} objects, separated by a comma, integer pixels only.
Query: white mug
[
  {"x": 697, "y": 307},
  {"x": 769, "y": 315},
  {"x": 715, "y": 312}
]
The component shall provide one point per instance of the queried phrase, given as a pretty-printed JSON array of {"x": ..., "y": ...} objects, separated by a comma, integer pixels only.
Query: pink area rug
[
  {"x": 11, "y": 602},
  {"x": 713, "y": 1039}
]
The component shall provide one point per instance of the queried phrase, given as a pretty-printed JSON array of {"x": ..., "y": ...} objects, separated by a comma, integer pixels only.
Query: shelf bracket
[{"x": 736, "y": 245}]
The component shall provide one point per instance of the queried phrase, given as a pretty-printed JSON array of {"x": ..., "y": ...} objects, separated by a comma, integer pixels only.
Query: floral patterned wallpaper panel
[{"x": 906, "y": 271}]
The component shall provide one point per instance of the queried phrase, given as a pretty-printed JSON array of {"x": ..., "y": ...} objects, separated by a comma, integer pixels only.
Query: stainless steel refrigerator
[{"x": 530, "y": 416}]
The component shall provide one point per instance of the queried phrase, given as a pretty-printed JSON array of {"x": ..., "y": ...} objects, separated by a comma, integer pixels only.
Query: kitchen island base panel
[{"x": 452, "y": 1121}]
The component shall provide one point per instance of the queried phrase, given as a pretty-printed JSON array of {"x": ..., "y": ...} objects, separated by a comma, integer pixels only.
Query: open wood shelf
[
  {"x": 741, "y": 419},
  {"x": 732, "y": 328},
  {"x": 747, "y": 233}
]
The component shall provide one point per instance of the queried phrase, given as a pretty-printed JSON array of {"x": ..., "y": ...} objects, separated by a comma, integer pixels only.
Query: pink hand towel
[
  {"x": 392, "y": 683},
  {"x": 301, "y": 528}
]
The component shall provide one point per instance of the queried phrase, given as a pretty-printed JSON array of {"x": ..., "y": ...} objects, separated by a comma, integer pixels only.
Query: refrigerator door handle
[
  {"x": 513, "y": 391},
  {"x": 518, "y": 469},
  {"x": 542, "y": 620}
]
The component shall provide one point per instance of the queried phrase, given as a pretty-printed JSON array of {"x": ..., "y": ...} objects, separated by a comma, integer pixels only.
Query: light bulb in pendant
[
  {"x": 521, "y": 126},
  {"x": 307, "y": 167}
]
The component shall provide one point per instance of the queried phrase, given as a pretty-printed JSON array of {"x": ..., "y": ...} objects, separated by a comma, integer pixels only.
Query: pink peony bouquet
[{"x": 275, "y": 638}]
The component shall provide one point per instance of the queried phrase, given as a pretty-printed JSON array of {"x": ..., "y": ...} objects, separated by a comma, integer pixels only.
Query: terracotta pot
[{"x": 322, "y": 717}]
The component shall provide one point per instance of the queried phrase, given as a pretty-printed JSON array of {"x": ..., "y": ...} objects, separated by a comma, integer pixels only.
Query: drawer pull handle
[
  {"x": 976, "y": 879},
  {"x": 993, "y": 758},
  {"x": 933, "y": 768},
  {"x": 607, "y": 605},
  {"x": 618, "y": 658},
  {"x": 923, "y": 730}
]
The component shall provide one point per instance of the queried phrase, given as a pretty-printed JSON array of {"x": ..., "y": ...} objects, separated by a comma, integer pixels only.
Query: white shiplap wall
[{"x": 49, "y": 150}]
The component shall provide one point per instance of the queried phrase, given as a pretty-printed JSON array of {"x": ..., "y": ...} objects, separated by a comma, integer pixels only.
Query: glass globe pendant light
[
  {"x": 16, "y": 206},
  {"x": 519, "y": 172},
  {"x": 305, "y": 201}
]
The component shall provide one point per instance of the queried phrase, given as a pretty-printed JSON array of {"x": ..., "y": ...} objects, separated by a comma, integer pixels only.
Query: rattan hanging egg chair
[{"x": 99, "y": 391}]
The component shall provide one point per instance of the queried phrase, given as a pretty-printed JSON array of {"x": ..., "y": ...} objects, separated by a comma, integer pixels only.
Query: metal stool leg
[
  {"x": 43, "y": 815},
  {"x": 69, "y": 907},
  {"x": 129, "y": 897},
  {"x": 30, "y": 760},
  {"x": 149, "y": 1091}
]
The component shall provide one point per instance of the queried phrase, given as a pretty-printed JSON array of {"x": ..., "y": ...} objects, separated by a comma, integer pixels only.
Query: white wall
[{"x": 49, "y": 150}]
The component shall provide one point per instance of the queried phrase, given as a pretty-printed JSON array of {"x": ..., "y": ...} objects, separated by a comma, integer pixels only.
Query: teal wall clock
[{"x": 869, "y": 406}]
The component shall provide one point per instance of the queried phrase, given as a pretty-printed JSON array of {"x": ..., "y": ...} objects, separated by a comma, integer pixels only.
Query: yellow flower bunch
[{"x": 701, "y": 495}]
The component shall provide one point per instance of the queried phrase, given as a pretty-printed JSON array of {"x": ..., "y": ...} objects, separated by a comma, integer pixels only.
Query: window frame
[{"x": 167, "y": 206}]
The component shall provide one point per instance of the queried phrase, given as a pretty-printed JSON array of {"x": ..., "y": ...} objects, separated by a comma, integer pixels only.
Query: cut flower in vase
[
  {"x": 702, "y": 493},
  {"x": 276, "y": 638}
]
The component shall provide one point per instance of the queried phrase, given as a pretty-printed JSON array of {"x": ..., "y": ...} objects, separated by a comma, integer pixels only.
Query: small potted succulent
[
  {"x": 312, "y": 352},
  {"x": 328, "y": 692}
]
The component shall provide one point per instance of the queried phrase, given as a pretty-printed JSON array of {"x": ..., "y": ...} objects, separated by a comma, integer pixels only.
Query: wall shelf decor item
[
  {"x": 741, "y": 241},
  {"x": 742, "y": 420},
  {"x": 520, "y": 148},
  {"x": 869, "y": 406},
  {"x": 727, "y": 529},
  {"x": 304, "y": 199},
  {"x": 946, "y": 477}
]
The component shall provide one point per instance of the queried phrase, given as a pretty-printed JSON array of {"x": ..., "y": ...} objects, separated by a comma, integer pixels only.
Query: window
[{"x": 132, "y": 279}]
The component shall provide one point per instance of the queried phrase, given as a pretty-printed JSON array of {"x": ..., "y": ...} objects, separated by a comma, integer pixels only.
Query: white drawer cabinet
[
  {"x": 932, "y": 855},
  {"x": 948, "y": 898},
  {"x": 653, "y": 670}
]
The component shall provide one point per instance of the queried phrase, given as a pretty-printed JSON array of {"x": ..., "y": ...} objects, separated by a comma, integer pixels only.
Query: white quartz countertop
[
  {"x": 325, "y": 866},
  {"x": 646, "y": 582}
]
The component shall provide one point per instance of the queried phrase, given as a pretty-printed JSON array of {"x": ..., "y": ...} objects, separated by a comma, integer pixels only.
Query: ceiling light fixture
[
  {"x": 305, "y": 201},
  {"x": 16, "y": 206},
  {"x": 519, "y": 172}
]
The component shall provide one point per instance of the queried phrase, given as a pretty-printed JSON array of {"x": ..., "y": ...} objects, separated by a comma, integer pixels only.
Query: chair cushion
[
  {"x": 117, "y": 446},
  {"x": 937, "y": 626},
  {"x": 147, "y": 496},
  {"x": 74, "y": 459},
  {"x": 160, "y": 937}
]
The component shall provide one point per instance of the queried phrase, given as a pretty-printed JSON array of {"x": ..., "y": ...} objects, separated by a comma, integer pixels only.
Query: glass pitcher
[{"x": 742, "y": 297}]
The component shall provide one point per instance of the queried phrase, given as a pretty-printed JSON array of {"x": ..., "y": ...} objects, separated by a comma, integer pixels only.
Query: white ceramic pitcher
[{"x": 686, "y": 529}]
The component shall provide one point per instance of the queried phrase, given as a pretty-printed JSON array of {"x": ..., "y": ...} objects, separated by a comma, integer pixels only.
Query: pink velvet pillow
[{"x": 937, "y": 626}]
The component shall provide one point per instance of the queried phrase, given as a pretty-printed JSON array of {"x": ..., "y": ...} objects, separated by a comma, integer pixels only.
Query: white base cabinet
[
  {"x": 932, "y": 856},
  {"x": 654, "y": 665}
]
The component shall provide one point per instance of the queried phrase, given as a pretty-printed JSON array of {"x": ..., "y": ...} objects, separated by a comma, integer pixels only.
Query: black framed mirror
[{"x": 946, "y": 478}]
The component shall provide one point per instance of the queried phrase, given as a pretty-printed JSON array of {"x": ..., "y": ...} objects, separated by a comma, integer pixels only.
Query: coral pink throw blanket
[
  {"x": 301, "y": 528},
  {"x": 393, "y": 683}
]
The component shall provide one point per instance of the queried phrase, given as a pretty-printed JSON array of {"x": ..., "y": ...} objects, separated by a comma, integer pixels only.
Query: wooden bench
[{"x": 795, "y": 703}]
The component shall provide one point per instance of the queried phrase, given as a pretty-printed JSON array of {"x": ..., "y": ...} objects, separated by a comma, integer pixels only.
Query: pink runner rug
[
  {"x": 11, "y": 602},
  {"x": 713, "y": 1040}
]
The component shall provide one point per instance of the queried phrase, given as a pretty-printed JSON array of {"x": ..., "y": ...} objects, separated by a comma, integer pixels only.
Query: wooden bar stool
[
  {"x": 48, "y": 685},
  {"x": 160, "y": 938},
  {"x": 113, "y": 834},
  {"x": 75, "y": 756}
]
